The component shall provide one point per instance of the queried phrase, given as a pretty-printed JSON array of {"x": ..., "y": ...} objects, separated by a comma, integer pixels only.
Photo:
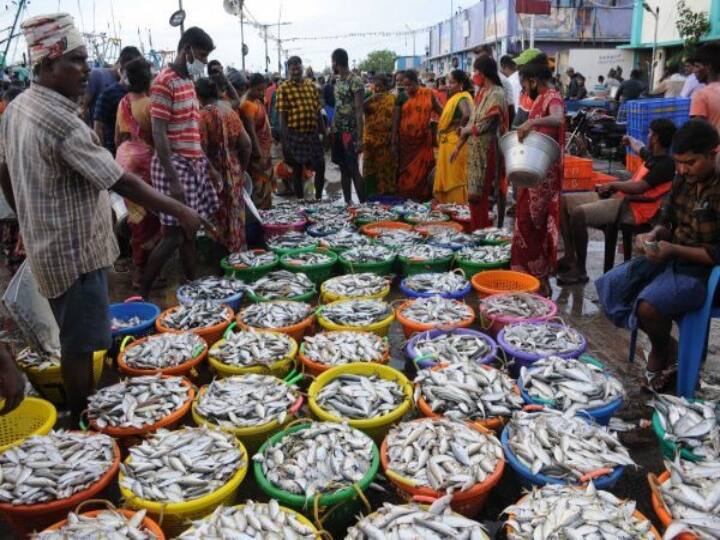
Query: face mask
[
  {"x": 196, "y": 68},
  {"x": 478, "y": 79}
]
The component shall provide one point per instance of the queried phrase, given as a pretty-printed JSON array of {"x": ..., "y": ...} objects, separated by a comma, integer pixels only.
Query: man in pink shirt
[{"x": 705, "y": 102}]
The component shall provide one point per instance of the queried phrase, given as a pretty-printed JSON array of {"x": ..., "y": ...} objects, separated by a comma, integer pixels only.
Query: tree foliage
[
  {"x": 691, "y": 25},
  {"x": 379, "y": 61}
]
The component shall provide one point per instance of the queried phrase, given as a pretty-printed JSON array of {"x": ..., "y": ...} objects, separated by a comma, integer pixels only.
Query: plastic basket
[
  {"x": 454, "y": 295},
  {"x": 427, "y": 362},
  {"x": 316, "y": 368},
  {"x": 297, "y": 515},
  {"x": 471, "y": 268},
  {"x": 289, "y": 251},
  {"x": 661, "y": 510},
  {"x": 279, "y": 368},
  {"x": 250, "y": 273},
  {"x": 641, "y": 112},
  {"x": 185, "y": 369},
  {"x": 498, "y": 281},
  {"x": 374, "y": 230},
  {"x": 329, "y": 297},
  {"x": 424, "y": 228},
  {"x": 233, "y": 302},
  {"x": 494, "y": 323},
  {"x": 577, "y": 168},
  {"x": 381, "y": 268},
  {"x": 271, "y": 230},
  {"x": 147, "y": 524},
  {"x": 670, "y": 448},
  {"x": 209, "y": 333},
  {"x": 49, "y": 382},
  {"x": 411, "y": 327},
  {"x": 34, "y": 416},
  {"x": 147, "y": 312},
  {"x": 523, "y": 358},
  {"x": 380, "y": 328},
  {"x": 258, "y": 299},
  {"x": 388, "y": 200},
  {"x": 316, "y": 272},
  {"x": 295, "y": 331},
  {"x": 409, "y": 267},
  {"x": 376, "y": 427}
]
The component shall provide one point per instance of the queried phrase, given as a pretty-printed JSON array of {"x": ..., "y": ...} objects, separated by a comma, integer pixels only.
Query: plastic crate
[
  {"x": 632, "y": 162},
  {"x": 577, "y": 167},
  {"x": 641, "y": 112},
  {"x": 602, "y": 178}
]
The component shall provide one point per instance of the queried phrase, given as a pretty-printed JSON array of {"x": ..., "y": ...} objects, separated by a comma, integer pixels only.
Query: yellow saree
[{"x": 451, "y": 178}]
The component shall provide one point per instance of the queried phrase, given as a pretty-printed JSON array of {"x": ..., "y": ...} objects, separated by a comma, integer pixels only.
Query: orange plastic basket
[
  {"x": 577, "y": 167},
  {"x": 211, "y": 334},
  {"x": 373, "y": 230},
  {"x": 499, "y": 281},
  {"x": 425, "y": 228},
  {"x": 411, "y": 327},
  {"x": 148, "y": 524},
  {"x": 662, "y": 514},
  {"x": 183, "y": 369}
]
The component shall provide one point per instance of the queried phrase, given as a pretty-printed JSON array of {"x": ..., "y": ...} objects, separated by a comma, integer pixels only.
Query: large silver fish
[
  {"x": 251, "y": 348},
  {"x": 337, "y": 348},
  {"x": 692, "y": 425},
  {"x": 361, "y": 312},
  {"x": 360, "y": 396},
  {"x": 282, "y": 284},
  {"x": 355, "y": 285},
  {"x": 106, "y": 524},
  {"x": 164, "y": 350},
  {"x": 202, "y": 314},
  {"x": 278, "y": 314}
]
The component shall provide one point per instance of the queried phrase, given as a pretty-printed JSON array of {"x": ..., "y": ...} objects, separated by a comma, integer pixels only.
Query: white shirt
[
  {"x": 507, "y": 86},
  {"x": 516, "y": 86},
  {"x": 691, "y": 84}
]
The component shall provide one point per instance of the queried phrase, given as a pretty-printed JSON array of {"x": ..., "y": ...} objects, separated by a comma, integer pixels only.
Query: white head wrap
[{"x": 51, "y": 36}]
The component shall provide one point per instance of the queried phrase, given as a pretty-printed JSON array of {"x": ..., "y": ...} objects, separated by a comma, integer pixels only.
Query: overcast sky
[{"x": 308, "y": 18}]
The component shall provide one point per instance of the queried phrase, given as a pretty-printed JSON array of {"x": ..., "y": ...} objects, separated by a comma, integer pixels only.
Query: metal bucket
[{"x": 527, "y": 162}]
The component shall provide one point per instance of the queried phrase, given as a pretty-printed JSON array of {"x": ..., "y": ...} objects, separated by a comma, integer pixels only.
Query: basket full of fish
[
  {"x": 206, "y": 318},
  {"x": 438, "y": 457},
  {"x": 348, "y": 286},
  {"x": 278, "y": 221},
  {"x": 430, "y": 216},
  {"x": 446, "y": 284},
  {"x": 292, "y": 242},
  {"x": 132, "y": 318},
  {"x": 455, "y": 346},
  {"x": 452, "y": 239},
  {"x": 475, "y": 259},
  {"x": 343, "y": 240},
  {"x": 249, "y": 265},
  {"x": 282, "y": 285},
  {"x": 574, "y": 386},
  {"x": 549, "y": 447},
  {"x": 398, "y": 238},
  {"x": 498, "y": 310},
  {"x": 316, "y": 265},
  {"x": 689, "y": 427},
  {"x": 253, "y": 351},
  {"x": 423, "y": 258},
  {"x": 357, "y": 314},
  {"x": 369, "y": 397},
  {"x": 326, "y": 350},
  {"x": 528, "y": 342},
  {"x": 493, "y": 236},
  {"x": 371, "y": 213},
  {"x": 374, "y": 230},
  {"x": 374, "y": 258},
  {"x": 220, "y": 290},
  {"x": 108, "y": 523},
  {"x": 286, "y": 316},
  {"x": 169, "y": 353},
  {"x": 422, "y": 314}
]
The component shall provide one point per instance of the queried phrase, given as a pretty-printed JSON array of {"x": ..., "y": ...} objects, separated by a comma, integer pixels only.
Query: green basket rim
[
  {"x": 280, "y": 252},
  {"x": 300, "y": 298},
  {"x": 375, "y": 264},
  {"x": 470, "y": 264},
  {"x": 439, "y": 260},
  {"x": 670, "y": 445},
  {"x": 303, "y": 267}
]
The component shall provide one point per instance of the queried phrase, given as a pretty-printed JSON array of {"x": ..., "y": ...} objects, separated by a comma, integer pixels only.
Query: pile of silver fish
[
  {"x": 452, "y": 208},
  {"x": 55, "y": 466},
  {"x": 106, "y": 524},
  {"x": 281, "y": 216},
  {"x": 692, "y": 425},
  {"x": 368, "y": 254},
  {"x": 361, "y": 312},
  {"x": 282, "y": 284},
  {"x": 250, "y": 348},
  {"x": 446, "y": 236},
  {"x": 452, "y": 348},
  {"x": 344, "y": 239},
  {"x": 275, "y": 314},
  {"x": 164, "y": 350},
  {"x": 436, "y": 310},
  {"x": 292, "y": 240},
  {"x": 211, "y": 288},
  {"x": 485, "y": 254},
  {"x": 519, "y": 305},
  {"x": 27, "y": 358},
  {"x": 181, "y": 465},
  {"x": 256, "y": 521},
  {"x": 327, "y": 227},
  {"x": 307, "y": 258},
  {"x": 198, "y": 315},
  {"x": 424, "y": 252},
  {"x": 462, "y": 214},
  {"x": 398, "y": 238},
  {"x": 493, "y": 234},
  {"x": 410, "y": 207},
  {"x": 542, "y": 338},
  {"x": 355, "y": 285},
  {"x": 414, "y": 521},
  {"x": 560, "y": 512},
  {"x": 360, "y": 396},
  {"x": 692, "y": 497},
  {"x": 442, "y": 454},
  {"x": 427, "y": 217},
  {"x": 325, "y": 456},
  {"x": 121, "y": 324},
  {"x": 569, "y": 385},
  {"x": 468, "y": 391},
  {"x": 245, "y": 400},
  {"x": 250, "y": 259},
  {"x": 337, "y": 348},
  {"x": 369, "y": 214},
  {"x": 436, "y": 283},
  {"x": 137, "y": 401},
  {"x": 556, "y": 445}
]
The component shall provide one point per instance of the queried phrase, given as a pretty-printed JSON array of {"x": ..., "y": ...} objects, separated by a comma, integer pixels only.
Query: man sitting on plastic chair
[{"x": 669, "y": 278}]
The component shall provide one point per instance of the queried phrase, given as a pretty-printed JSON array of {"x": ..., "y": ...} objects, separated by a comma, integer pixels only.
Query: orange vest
[{"x": 645, "y": 211}]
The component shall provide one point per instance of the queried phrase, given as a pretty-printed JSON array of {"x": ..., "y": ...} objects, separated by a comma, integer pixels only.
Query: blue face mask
[{"x": 196, "y": 68}]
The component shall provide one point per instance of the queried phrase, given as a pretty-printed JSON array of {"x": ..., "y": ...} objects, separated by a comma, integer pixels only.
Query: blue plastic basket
[
  {"x": 457, "y": 295},
  {"x": 427, "y": 362},
  {"x": 232, "y": 302},
  {"x": 145, "y": 310},
  {"x": 528, "y": 479},
  {"x": 641, "y": 112},
  {"x": 389, "y": 200}
]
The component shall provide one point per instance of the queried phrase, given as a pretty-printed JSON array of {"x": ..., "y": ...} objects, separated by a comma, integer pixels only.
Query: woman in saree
[
  {"x": 451, "y": 175},
  {"x": 133, "y": 139},
  {"x": 257, "y": 125},
  {"x": 537, "y": 211},
  {"x": 379, "y": 165},
  {"x": 488, "y": 122},
  {"x": 412, "y": 137}
]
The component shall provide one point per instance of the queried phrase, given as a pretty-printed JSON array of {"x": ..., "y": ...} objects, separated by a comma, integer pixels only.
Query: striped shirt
[
  {"x": 60, "y": 176},
  {"x": 173, "y": 99}
]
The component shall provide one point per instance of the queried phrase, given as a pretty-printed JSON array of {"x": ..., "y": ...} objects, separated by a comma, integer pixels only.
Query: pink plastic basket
[
  {"x": 494, "y": 323},
  {"x": 272, "y": 230}
]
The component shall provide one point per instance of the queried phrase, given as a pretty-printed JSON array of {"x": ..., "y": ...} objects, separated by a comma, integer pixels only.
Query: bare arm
[
  {"x": 162, "y": 149},
  {"x": 554, "y": 119},
  {"x": 7, "y": 186},
  {"x": 436, "y": 105},
  {"x": 235, "y": 98},
  {"x": 465, "y": 112},
  {"x": 245, "y": 149}
]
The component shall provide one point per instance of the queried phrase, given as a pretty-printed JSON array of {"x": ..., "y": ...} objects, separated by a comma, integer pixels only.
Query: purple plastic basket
[
  {"x": 272, "y": 230},
  {"x": 525, "y": 359},
  {"x": 428, "y": 363}
]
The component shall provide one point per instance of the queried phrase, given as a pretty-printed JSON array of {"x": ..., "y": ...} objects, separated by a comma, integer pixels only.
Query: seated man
[
  {"x": 589, "y": 209},
  {"x": 669, "y": 279}
]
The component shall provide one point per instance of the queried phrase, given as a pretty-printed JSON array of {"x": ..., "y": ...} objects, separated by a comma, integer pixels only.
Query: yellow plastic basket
[
  {"x": 376, "y": 427},
  {"x": 174, "y": 518},
  {"x": 381, "y": 328},
  {"x": 327, "y": 296},
  {"x": 34, "y": 416},
  {"x": 279, "y": 368}
]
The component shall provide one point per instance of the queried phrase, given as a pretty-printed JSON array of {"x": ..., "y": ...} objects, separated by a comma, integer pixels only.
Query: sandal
[{"x": 659, "y": 381}]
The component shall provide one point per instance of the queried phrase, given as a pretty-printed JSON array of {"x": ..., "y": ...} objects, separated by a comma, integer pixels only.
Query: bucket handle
[
  {"x": 293, "y": 377},
  {"x": 424, "y": 357},
  {"x": 400, "y": 478},
  {"x": 125, "y": 341},
  {"x": 297, "y": 405},
  {"x": 654, "y": 484},
  {"x": 533, "y": 407},
  {"x": 108, "y": 504},
  {"x": 136, "y": 298}
]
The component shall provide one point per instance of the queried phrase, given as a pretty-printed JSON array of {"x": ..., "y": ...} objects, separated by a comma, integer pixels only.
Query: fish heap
[
  {"x": 257, "y": 521},
  {"x": 292, "y": 240},
  {"x": 424, "y": 252},
  {"x": 164, "y": 350},
  {"x": 543, "y": 339},
  {"x": 518, "y": 305},
  {"x": 105, "y": 524},
  {"x": 441, "y": 283},
  {"x": 356, "y": 312},
  {"x": 568, "y": 448},
  {"x": 360, "y": 397},
  {"x": 442, "y": 454},
  {"x": 55, "y": 466},
  {"x": 493, "y": 234},
  {"x": 432, "y": 216},
  {"x": 281, "y": 216},
  {"x": 329, "y": 213},
  {"x": 692, "y": 498},
  {"x": 337, "y": 348},
  {"x": 211, "y": 288},
  {"x": 451, "y": 208},
  {"x": 250, "y": 259},
  {"x": 250, "y": 348},
  {"x": 137, "y": 402},
  {"x": 484, "y": 254},
  {"x": 445, "y": 236},
  {"x": 452, "y": 348},
  {"x": 370, "y": 213},
  {"x": 278, "y": 314},
  {"x": 691, "y": 425},
  {"x": 329, "y": 226},
  {"x": 399, "y": 238},
  {"x": 468, "y": 391},
  {"x": 560, "y": 512},
  {"x": 181, "y": 465},
  {"x": 414, "y": 521},
  {"x": 245, "y": 400},
  {"x": 344, "y": 239},
  {"x": 355, "y": 285},
  {"x": 117, "y": 323},
  {"x": 436, "y": 310},
  {"x": 29, "y": 359},
  {"x": 307, "y": 258},
  {"x": 462, "y": 214},
  {"x": 201, "y": 314},
  {"x": 409, "y": 207},
  {"x": 569, "y": 385},
  {"x": 323, "y": 457},
  {"x": 282, "y": 284},
  {"x": 368, "y": 254}
]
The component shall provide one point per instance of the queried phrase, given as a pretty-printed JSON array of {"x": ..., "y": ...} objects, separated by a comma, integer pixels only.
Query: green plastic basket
[
  {"x": 669, "y": 448},
  {"x": 381, "y": 268},
  {"x": 251, "y": 273},
  {"x": 409, "y": 267},
  {"x": 472, "y": 268},
  {"x": 289, "y": 251},
  {"x": 495, "y": 242},
  {"x": 316, "y": 272}
]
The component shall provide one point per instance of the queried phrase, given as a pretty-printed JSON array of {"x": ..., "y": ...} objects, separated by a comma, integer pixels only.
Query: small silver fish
[
  {"x": 432, "y": 216},
  {"x": 360, "y": 396},
  {"x": 366, "y": 254},
  {"x": 424, "y": 252},
  {"x": 692, "y": 425},
  {"x": 282, "y": 284},
  {"x": 165, "y": 350},
  {"x": 355, "y": 285},
  {"x": 338, "y": 348},
  {"x": 251, "y": 258},
  {"x": 484, "y": 254},
  {"x": 105, "y": 524},
  {"x": 252, "y": 348},
  {"x": 398, "y": 238},
  {"x": 344, "y": 239},
  {"x": 542, "y": 338},
  {"x": 493, "y": 234},
  {"x": 306, "y": 258},
  {"x": 116, "y": 323},
  {"x": 361, "y": 312},
  {"x": 436, "y": 310},
  {"x": 452, "y": 348},
  {"x": 292, "y": 240},
  {"x": 27, "y": 358},
  {"x": 520, "y": 305},
  {"x": 210, "y": 288},
  {"x": 277, "y": 314},
  {"x": 440, "y": 283},
  {"x": 201, "y": 314},
  {"x": 447, "y": 237},
  {"x": 282, "y": 216}
]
